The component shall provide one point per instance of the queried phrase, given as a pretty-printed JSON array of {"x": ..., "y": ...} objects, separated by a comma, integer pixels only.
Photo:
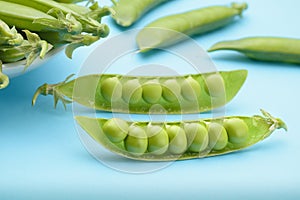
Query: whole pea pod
[
  {"x": 129, "y": 11},
  {"x": 172, "y": 29},
  {"x": 276, "y": 49},
  {"x": 89, "y": 25},
  {"x": 23, "y": 17},
  {"x": 167, "y": 141},
  {"x": 94, "y": 11},
  {"x": 30, "y": 49},
  {"x": 191, "y": 93}
]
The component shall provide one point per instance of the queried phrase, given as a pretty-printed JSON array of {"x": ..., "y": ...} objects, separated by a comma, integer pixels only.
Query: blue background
[{"x": 42, "y": 157}]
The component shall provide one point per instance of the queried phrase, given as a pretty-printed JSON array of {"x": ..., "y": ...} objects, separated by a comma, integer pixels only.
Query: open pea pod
[
  {"x": 191, "y": 93},
  {"x": 167, "y": 141}
]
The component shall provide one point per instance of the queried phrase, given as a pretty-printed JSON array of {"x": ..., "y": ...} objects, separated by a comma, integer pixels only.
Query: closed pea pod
[
  {"x": 142, "y": 92},
  {"x": 275, "y": 49},
  {"x": 171, "y": 29},
  {"x": 184, "y": 147},
  {"x": 129, "y": 11}
]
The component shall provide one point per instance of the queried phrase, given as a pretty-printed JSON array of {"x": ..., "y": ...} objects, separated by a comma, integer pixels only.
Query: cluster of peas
[
  {"x": 176, "y": 139},
  {"x": 151, "y": 90}
]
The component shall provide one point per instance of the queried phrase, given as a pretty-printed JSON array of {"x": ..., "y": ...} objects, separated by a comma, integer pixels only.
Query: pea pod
[
  {"x": 34, "y": 20},
  {"x": 258, "y": 128},
  {"x": 165, "y": 31},
  {"x": 179, "y": 94},
  {"x": 4, "y": 80},
  {"x": 274, "y": 49},
  {"x": 89, "y": 25},
  {"x": 30, "y": 49},
  {"x": 129, "y": 11},
  {"x": 94, "y": 11}
]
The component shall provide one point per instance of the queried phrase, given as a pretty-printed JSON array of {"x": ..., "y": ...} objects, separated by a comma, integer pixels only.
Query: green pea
[
  {"x": 152, "y": 91},
  {"x": 197, "y": 136},
  {"x": 215, "y": 85},
  {"x": 115, "y": 129},
  {"x": 111, "y": 89},
  {"x": 132, "y": 91},
  {"x": 177, "y": 139},
  {"x": 190, "y": 89},
  {"x": 171, "y": 90},
  {"x": 136, "y": 142},
  {"x": 237, "y": 130},
  {"x": 218, "y": 138},
  {"x": 274, "y": 49},
  {"x": 158, "y": 140}
]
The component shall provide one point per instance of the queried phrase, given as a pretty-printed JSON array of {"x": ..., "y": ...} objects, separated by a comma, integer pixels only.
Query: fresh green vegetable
[
  {"x": 264, "y": 48},
  {"x": 9, "y": 36},
  {"x": 166, "y": 31},
  {"x": 179, "y": 147},
  {"x": 30, "y": 49},
  {"x": 4, "y": 80},
  {"x": 129, "y": 11},
  {"x": 28, "y": 18},
  {"x": 94, "y": 11},
  {"x": 89, "y": 25},
  {"x": 106, "y": 92}
]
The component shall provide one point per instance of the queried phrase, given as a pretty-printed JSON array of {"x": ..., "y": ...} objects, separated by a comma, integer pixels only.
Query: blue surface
[{"x": 42, "y": 157}]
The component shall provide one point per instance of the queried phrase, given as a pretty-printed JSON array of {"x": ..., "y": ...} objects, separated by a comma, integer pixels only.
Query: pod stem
[
  {"x": 240, "y": 7},
  {"x": 4, "y": 80},
  {"x": 63, "y": 22},
  {"x": 51, "y": 89},
  {"x": 276, "y": 122},
  {"x": 36, "y": 47}
]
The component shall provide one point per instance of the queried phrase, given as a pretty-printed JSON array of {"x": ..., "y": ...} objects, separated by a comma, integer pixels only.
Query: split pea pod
[
  {"x": 129, "y": 11},
  {"x": 191, "y": 93},
  {"x": 89, "y": 25},
  {"x": 275, "y": 49},
  {"x": 167, "y": 141},
  {"x": 172, "y": 29}
]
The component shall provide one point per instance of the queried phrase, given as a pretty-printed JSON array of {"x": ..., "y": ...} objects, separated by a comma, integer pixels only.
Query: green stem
[{"x": 51, "y": 89}]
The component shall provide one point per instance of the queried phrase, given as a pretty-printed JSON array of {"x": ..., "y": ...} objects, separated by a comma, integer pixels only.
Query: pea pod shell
[
  {"x": 171, "y": 29},
  {"x": 274, "y": 49},
  {"x": 129, "y": 11},
  {"x": 87, "y": 92},
  {"x": 260, "y": 127}
]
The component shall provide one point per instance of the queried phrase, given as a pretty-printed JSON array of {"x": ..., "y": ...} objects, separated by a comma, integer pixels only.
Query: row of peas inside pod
[{"x": 191, "y": 93}]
